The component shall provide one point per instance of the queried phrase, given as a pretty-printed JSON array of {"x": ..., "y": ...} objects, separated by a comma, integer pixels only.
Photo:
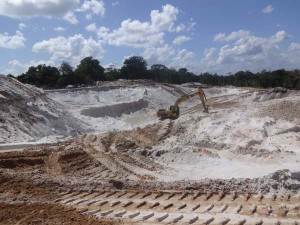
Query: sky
[{"x": 216, "y": 36}]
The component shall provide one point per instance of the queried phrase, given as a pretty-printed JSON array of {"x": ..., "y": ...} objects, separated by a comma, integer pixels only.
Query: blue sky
[{"x": 200, "y": 35}]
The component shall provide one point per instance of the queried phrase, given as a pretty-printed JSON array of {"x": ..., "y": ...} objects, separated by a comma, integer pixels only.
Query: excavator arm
[{"x": 173, "y": 111}]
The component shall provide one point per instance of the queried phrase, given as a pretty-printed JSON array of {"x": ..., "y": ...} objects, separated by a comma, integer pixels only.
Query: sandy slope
[
  {"x": 240, "y": 137},
  {"x": 27, "y": 115}
]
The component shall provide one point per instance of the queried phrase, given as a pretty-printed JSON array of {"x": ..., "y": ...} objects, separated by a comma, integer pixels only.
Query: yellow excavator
[{"x": 173, "y": 111}]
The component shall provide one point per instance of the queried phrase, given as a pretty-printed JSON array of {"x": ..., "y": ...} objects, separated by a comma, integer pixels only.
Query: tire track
[{"x": 165, "y": 207}]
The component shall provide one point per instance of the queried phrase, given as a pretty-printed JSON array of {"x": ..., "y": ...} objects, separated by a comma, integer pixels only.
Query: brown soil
[
  {"x": 91, "y": 179},
  {"x": 43, "y": 213}
]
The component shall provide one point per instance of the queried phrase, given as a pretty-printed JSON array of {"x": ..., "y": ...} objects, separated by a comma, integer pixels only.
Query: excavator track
[{"x": 168, "y": 207}]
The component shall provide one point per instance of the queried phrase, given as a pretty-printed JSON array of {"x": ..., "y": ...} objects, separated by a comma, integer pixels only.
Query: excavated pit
[
  {"x": 239, "y": 164},
  {"x": 116, "y": 110}
]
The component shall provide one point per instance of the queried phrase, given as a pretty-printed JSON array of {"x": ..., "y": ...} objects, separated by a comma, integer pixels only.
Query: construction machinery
[{"x": 173, "y": 111}]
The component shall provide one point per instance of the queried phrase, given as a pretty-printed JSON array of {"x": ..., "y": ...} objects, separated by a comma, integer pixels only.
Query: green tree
[
  {"x": 159, "y": 73},
  {"x": 134, "y": 67},
  {"x": 185, "y": 76},
  {"x": 66, "y": 69},
  {"x": 67, "y": 75},
  {"x": 111, "y": 72},
  {"x": 89, "y": 70},
  {"x": 41, "y": 76}
]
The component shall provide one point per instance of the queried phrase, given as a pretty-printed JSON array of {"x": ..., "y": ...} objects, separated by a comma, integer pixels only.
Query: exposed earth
[{"x": 99, "y": 155}]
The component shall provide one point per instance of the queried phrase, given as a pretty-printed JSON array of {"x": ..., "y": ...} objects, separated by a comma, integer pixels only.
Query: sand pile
[
  {"x": 232, "y": 141},
  {"x": 12, "y": 90},
  {"x": 27, "y": 115},
  {"x": 282, "y": 110}
]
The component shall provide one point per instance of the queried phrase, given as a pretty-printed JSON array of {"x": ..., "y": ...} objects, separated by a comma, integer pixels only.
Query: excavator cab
[{"x": 173, "y": 112}]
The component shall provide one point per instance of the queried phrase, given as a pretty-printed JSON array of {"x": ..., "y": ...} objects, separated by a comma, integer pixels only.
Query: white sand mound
[
  {"x": 26, "y": 114},
  {"x": 238, "y": 138}
]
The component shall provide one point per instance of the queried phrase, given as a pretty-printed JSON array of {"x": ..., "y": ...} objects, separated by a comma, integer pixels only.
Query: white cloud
[
  {"x": 22, "y": 26},
  {"x": 60, "y": 29},
  {"x": 279, "y": 36},
  {"x": 184, "y": 59},
  {"x": 181, "y": 39},
  {"x": 138, "y": 34},
  {"x": 144, "y": 34},
  {"x": 232, "y": 36},
  {"x": 268, "y": 9},
  {"x": 294, "y": 46},
  {"x": 16, "y": 67},
  {"x": 209, "y": 53},
  {"x": 179, "y": 28},
  {"x": 248, "y": 51},
  {"x": 191, "y": 25},
  {"x": 159, "y": 55},
  {"x": 250, "y": 48},
  {"x": 15, "y": 63},
  {"x": 102, "y": 32},
  {"x": 220, "y": 37},
  {"x": 71, "y": 49},
  {"x": 92, "y": 27},
  {"x": 164, "y": 20},
  {"x": 12, "y": 42},
  {"x": 171, "y": 57},
  {"x": 184, "y": 27},
  {"x": 51, "y": 8},
  {"x": 116, "y": 3},
  {"x": 71, "y": 17},
  {"x": 89, "y": 16},
  {"x": 293, "y": 56},
  {"x": 135, "y": 34},
  {"x": 244, "y": 51},
  {"x": 35, "y": 8},
  {"x": 95, "y": 6}
]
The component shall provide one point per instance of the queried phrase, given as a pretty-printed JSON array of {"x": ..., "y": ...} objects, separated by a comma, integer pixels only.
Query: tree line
[{"x": 89, "y": 71}]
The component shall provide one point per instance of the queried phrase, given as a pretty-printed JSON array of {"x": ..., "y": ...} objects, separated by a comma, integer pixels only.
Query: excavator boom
[{"x": 173, "y": 111}]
